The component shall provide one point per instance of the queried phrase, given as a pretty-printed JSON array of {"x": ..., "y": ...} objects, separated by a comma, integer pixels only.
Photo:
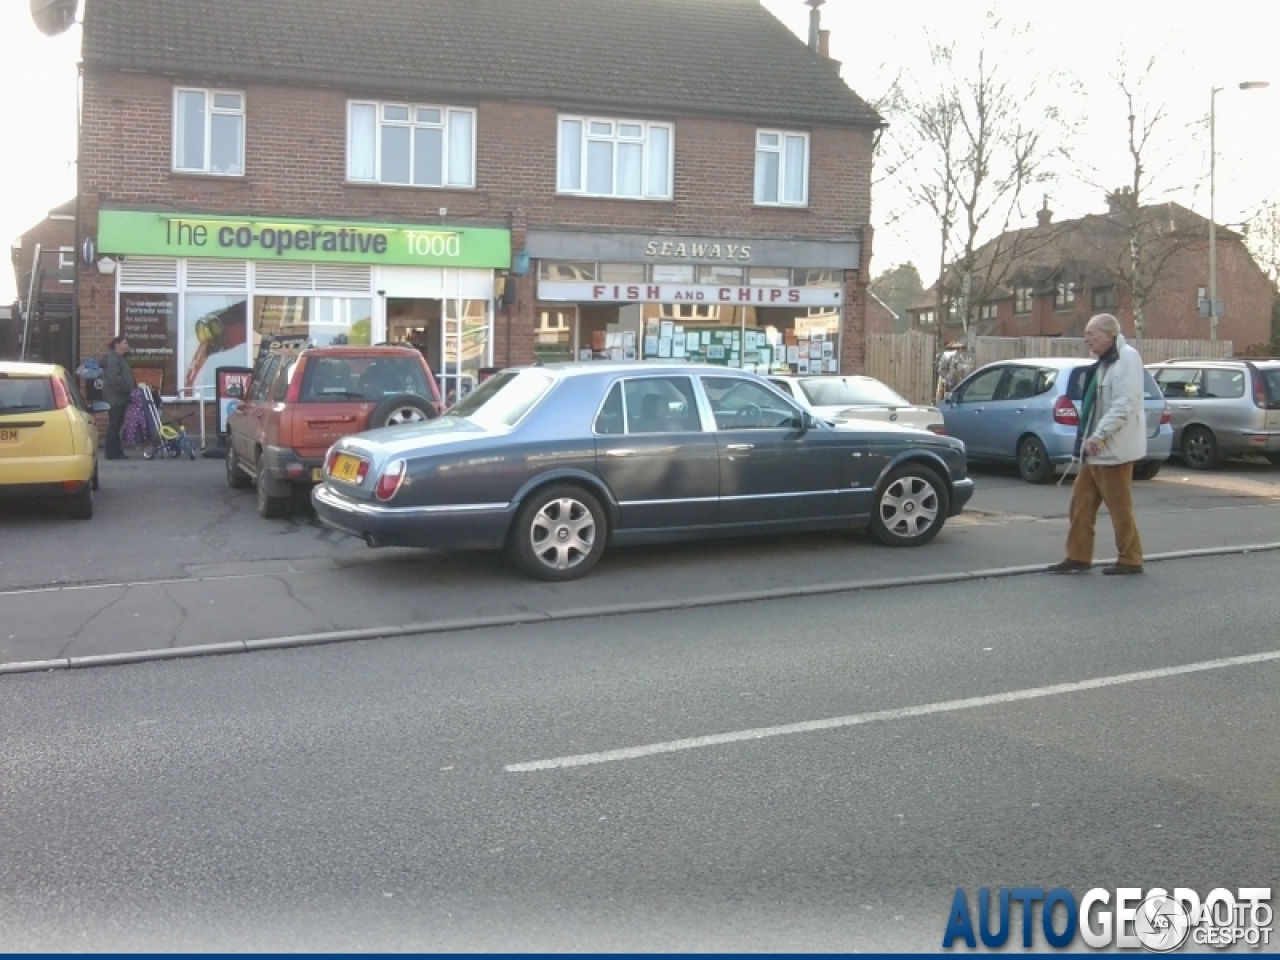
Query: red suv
[{"x": 295, "y": 407}]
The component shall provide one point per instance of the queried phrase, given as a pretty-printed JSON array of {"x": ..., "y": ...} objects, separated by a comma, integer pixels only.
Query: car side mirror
[
  {"x": 100, "y": 406},
  {"x": 807, "y": 421}
]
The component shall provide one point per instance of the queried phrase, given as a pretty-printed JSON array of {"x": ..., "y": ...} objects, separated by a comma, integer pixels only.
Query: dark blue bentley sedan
[{"x": 552, "y": 463}]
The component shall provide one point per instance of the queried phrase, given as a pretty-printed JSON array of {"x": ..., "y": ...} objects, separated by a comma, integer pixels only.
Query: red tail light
[
  {"x": 1259, "y": 391},
  {"x": 1064, "y": 412},
  {"x": 389, "y": 483},
  {"x": 295, "y": 383},
  {"x": 1166, "y": 415},
  {"x": 61, "y": 399}
]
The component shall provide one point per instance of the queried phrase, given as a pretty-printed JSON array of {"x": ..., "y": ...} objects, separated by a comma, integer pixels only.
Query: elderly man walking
[{"x": 1112, "y": 437}]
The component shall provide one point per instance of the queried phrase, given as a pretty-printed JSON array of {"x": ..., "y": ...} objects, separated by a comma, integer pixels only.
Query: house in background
[
  {"x": 44, "y": 268},
  {"x": 492, "y": 183},
  {"x": 880, "y": 316},
  {"x": 1048, "y": 280}
]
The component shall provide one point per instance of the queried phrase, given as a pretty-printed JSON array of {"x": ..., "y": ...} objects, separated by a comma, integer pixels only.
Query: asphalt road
[
  {"x": 362, "y": 796},
  {"x": 173, "y": 558}
]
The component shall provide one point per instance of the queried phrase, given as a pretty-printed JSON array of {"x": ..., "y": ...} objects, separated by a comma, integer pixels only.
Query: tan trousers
[{"x": 1094, "y": 486}]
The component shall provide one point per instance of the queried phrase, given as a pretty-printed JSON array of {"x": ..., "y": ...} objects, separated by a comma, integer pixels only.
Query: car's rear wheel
[
  {"x": 270, "y": 504},
  {"x": 911, "y": 507},
  {"x": 1146, "y": 469},
  {"x": 398, "y": 411},
  {"x": 237, "y": 479},
  {"x": 80, "y": 506},
  {"x": 1274, "y": 458},
  {"x": 1200, "y": 449},
  {"x": 1034, "y": 465},
  {"x": 559, "y": 533}
]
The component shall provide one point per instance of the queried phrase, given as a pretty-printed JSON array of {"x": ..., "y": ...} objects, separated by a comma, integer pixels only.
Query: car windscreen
[
  {"x": 849, "y": 392},
  {"x": 503, "y": 399},
  {"x": 25, "y": 395},
  {"x": 1075, "y": 386},
  {"x": 356, "y": 379}
]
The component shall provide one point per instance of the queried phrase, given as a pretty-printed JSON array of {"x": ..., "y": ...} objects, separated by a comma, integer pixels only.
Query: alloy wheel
[
  {"x": 909, "y": 506},
  {"x": 402, "y": 415},
  {"x": 1199, "y": 449},
  {"x": 562, "y": 533}
]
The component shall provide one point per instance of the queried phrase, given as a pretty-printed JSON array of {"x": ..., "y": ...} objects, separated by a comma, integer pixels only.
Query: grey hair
[{"x": 1107, "y": 324}]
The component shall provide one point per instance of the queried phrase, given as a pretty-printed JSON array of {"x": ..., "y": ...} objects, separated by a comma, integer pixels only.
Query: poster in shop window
[{"x": 149, "y": 321}]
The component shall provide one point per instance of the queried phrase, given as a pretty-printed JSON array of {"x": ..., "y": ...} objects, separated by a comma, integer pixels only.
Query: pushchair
[{"x": 167, "y": 438}]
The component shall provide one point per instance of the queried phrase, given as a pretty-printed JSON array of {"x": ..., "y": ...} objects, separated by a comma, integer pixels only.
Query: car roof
[
  {"x": 14, "y": 368},
  {"x": 1056, "y": 362},
  {"x": 349, "y": 349},
  {"x": 820, "y": 376},
  {"x": 580, "y": 368},
  {"x": 1262, "y": 361}
]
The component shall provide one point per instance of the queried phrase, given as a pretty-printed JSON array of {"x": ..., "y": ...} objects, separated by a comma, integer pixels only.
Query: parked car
[
  {"x": 48, "y": 437},
  {"x": 1222, "y": 408},
  {"x": 554, "y": 462},
  {"x": 295, "y": 407},
  {"x": 834, "y": 397},
  {"x": 1027, "y": 412}
]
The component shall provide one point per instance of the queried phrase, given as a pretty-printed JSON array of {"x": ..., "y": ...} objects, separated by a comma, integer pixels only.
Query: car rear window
[
  {"x": 1075, "y": 386},
  {"x": 355, "y": 379},
  {"x": 849, "y": 391},
  {"x": 502, "y": 400},
  {"x": 1272, "y": 379},
  {"x": 25, "y": 395}
]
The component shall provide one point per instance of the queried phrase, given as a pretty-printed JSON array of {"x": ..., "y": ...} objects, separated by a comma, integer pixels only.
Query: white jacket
[{"x": 1121, "y": 421}]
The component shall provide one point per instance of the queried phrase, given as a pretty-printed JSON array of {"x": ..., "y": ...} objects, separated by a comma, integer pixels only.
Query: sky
[{"x": 1080, "y": 43}]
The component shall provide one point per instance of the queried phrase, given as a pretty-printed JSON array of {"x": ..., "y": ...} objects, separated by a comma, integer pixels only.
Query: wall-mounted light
[{"x": 106, "y": 266}]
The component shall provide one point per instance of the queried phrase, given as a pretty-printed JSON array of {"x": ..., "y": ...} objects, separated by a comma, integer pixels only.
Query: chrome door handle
[
  {"x": 1021, "y": 410},
  {"x": 1186, "y": 406},
  {"x": 740, "y": 446},
  {"x": 620, "y": 452}
]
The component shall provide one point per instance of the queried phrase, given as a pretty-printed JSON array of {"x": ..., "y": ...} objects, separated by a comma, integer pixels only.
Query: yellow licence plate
[
  {"x": 345, "y": 467},
  {"x": 8, "y": 436}
]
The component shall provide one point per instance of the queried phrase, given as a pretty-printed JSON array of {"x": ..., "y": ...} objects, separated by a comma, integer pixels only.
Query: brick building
[
  {"x": 1048, "y": 280},
  {"x": 646, "y": 178},
  {"x": 44, "y": 269}
]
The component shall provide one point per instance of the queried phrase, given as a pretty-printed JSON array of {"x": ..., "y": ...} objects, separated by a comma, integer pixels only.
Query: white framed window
[
  {"x": 782, "y": 168},
  {"x": 606, "y": 157},
  {"x": 208, "y": 131},
  {"x": 411, "y": 145}
]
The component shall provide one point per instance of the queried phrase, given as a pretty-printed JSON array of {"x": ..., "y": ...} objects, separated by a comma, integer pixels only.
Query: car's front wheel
[
  {"x": 559, "y": 533},
  {"x": 1199, "y": 449},
  {"x": 911, "y": 507},
  {"x": 1146, "y": 469}
]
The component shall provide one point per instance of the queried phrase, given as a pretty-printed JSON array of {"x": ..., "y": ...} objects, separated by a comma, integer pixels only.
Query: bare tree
[
  {"x": 1263, "y": 239},
  {"x": 980, "y": 143}
]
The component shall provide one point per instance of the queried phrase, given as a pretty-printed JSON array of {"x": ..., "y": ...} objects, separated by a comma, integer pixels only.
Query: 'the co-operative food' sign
[{"x": 207, "y": 235}]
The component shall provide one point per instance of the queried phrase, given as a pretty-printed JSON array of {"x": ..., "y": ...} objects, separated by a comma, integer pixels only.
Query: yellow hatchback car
[{"x": 48, "y": 437}]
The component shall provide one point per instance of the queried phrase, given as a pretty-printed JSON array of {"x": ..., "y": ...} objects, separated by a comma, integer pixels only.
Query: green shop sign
[{"x": 323, "y": 241}]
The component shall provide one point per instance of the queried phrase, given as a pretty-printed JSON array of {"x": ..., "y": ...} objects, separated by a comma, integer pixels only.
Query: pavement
[
  {"x": 815, "y": 773},
  {"x": 174, "y": 559}
]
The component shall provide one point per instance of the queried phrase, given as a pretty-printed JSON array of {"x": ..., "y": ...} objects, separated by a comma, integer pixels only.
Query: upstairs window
[
  {"x": 1105, "y": 298},
  {"x": 782, "y": 168},
  {"x": 411, "y": 145},
  {"x": 208, "y": 132},
  {"x": 604, "y": 157},
  {"x": 1023, "y": 297},
  {"x": 988, "y": 311},
  {"x": 1064, "y": 296}
]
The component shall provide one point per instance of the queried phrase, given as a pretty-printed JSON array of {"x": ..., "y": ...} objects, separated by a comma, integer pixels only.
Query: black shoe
[
  {"x": 1121, "y": 569},
  {"x": 1069, "y": 566}
]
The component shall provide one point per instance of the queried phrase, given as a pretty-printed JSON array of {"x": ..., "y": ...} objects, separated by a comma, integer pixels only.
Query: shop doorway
[{"x": 452, "y": 334}]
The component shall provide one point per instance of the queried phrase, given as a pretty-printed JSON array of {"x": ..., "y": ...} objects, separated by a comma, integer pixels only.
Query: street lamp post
[{"x": 1213, "y": 222}]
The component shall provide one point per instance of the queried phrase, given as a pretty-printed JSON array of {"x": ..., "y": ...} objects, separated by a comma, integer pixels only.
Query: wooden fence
[{"x": 905, "y": 361}]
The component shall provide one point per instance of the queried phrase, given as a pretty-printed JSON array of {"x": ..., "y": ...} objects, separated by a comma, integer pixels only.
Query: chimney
[
  {"x": 1120, "y": 201},
  {"x": 815, "y": 23},
  {"x": 824, "y": 43},
  {"x": 1044, "y": 216}
]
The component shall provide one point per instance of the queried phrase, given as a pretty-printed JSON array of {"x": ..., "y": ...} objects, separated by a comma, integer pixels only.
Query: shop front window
[
  {"x": 290, "y": 324},
  {"x": 215, "y": 334},
  {"x": 555, "y": 341}
]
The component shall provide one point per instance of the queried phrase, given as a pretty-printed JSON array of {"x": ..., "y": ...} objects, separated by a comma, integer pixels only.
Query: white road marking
[{"x": 901, "y": 713}]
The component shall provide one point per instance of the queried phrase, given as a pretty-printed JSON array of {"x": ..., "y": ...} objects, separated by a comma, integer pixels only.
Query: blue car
[{"x": 1027, "y": 411}]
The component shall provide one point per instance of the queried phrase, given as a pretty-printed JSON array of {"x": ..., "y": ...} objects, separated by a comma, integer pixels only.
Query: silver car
[
  {"x": 1222, "y": 408},
  {"x": 1026, "y": 412},
  {"x": 843, "y": 398}
]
